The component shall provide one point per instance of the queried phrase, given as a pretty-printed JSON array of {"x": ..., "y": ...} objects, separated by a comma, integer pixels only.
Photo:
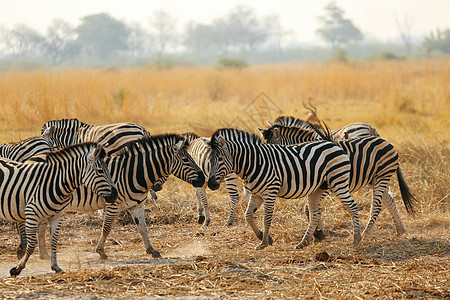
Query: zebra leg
[
  {"x": 203, "y": 204},
  {"x": 31, "y": 225},
  {"x": 269, "y": 203},
  {"x": 138, "y": 212},
  {"x": 319, "y": 234},
  {"x": 253, "y": 205},
  {"x": 378, "y": 190},
  {"x": 231, "y": 183},
  {"x": 20, "y": 251},
  {"x": 352, "y": 208},
  {"x": 55, "y": 226},
  {"x": 389, "y": 202},
  {"x": 43, "y": 254},
  {"x": 314, "y": 217},
  {"x": 201, "y": 199},
  {"x": 111, "y": 213}
]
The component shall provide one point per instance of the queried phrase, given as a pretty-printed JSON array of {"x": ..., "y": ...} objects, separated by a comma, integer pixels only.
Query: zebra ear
[
  {"x": 220, "y": 141},
  {"x": 179, "y": 145},
  {"x": 270, "y": 124},
  {"x": 261, "y": 131},
  {"x": 99, "y": 152},
  {"x": 276, "y": 132},
  {"x": 48, "y": 131}
]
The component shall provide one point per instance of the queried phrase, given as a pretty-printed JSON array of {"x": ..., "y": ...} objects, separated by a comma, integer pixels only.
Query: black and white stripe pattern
[
  {"x": 200, "y": 152},
  {"x": 373, "y": 162},
  {"x": 349, "y": 131},
  {"x": 112, "y": 136},
  {"x": 284, "y": 171},
  {"x": 135, "y": 169},
  {"x": 41, "y": 190},
  {"x": 66, "y": 132},
  {"x": 24, "y": 150}
]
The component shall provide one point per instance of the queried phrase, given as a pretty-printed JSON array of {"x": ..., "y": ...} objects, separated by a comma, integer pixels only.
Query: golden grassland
[{"x": 407, "y": 101}]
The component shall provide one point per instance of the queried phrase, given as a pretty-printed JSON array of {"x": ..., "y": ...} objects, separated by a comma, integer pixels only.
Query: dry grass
[{"x": 408, "y": 102}]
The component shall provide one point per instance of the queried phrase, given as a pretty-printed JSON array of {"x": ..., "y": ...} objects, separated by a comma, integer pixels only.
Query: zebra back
[
  {"x": 24, "y": 150},
  {"x": 349, "y": 131},
  {"x": 111, "y": 136}
]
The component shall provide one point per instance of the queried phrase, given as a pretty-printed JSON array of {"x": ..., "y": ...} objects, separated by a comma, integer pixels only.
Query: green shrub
[{"x": 237, "y": 63}]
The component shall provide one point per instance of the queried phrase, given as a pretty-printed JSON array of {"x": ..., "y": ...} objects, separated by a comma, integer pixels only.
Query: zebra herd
[{"x": 78, "y": 166}]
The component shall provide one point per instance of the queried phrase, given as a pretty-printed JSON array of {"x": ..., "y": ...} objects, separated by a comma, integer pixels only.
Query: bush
[
  {"x": 390, "y": 56},
  {"x": 237, "y": 63}
]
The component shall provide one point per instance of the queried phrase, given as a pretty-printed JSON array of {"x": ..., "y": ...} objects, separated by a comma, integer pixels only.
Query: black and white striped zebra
[
  {"x": 349, "y": 131},
  {"x": 373, "y": 162},
  {"x": 272, "y": 171},
  {"x": 20, "y": 152},
  {"x": 41, "y": 190},
  {"x": 200, "y": 152},
  {"x": 134, "y": 169},
  {"x": 113, "y": 136},
  {"x": 66, "y": 132}
]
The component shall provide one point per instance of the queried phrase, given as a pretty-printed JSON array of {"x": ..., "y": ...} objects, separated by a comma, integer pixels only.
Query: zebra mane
[
  {"x": 291, "y": 121},
  {"x": 234, "y": 135},
  {"x": 190, "y": 136},
  {"x": 62, "y": 153},
  {"x": 155, "y": 142},
  {"x": 64, "y": 123}
]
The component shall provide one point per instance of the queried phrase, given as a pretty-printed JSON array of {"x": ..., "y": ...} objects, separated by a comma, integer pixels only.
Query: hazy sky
[{"x": 374, "y": 17}]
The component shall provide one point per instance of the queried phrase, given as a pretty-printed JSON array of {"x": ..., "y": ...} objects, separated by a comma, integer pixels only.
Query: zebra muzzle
[
  {"x": 112, "y": 196},
  {"x": 200, "y": 181},
  {"x": 213, "y": 184}
]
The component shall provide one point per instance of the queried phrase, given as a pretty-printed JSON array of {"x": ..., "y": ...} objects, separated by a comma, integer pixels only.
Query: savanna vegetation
[{"x": 407, "y": 101}]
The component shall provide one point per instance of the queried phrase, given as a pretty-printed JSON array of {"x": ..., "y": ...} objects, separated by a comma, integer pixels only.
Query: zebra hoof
[
  {"x": 229, "y": 224},
  {"x": 102, "y": 254},
  {"x": 319, "y": 235},
  {"x": 201, "y": 219},
  {"x": 14, "y": 271},
  {"x": 356, "y": 239},
  {"x": 153, "y": 252},
  {"x": 57, "y": 269},
  {"x": 270, "y": 240},
  {"x": 261, "y": 246}
]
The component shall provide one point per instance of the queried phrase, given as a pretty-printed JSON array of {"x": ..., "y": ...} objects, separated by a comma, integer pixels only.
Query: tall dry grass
[{"x": 407, "y": 101}]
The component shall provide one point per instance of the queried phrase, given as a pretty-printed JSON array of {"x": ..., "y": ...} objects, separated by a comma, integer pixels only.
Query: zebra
[
  {"x": 284, "y": 171},
  {"x": 35, "y": 191},
  {"x": 65, "y": 132},
  {"x": 20, "y": 152},
  {"x": 134, "y": 170},
  {"x": 349, "y": 131},
  {"x": 200, "y": 152},
  {"x": 373, "y": 162}
]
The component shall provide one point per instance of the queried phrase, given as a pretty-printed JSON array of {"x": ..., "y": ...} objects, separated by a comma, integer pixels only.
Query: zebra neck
[
  {"x": 68, "y": 175},
  {"x": 245, "y": 158}
]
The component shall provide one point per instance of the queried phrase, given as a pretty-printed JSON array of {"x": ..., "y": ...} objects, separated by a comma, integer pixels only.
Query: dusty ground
[{"x": 220, "y": 262}]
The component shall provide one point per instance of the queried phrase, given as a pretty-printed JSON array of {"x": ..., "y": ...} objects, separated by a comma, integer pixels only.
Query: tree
[
  {"x": 335, "y": 29},
  {"x": 59, "y": 41},
  {"x": 163, "y": 32},
  {"x": 23, "y": 41},
  {"x": 405, "y": 28},
  {"x": 102, "y": 36},
  {"x": 139, "y": 40},
  {"x": 437, "y": 41}
]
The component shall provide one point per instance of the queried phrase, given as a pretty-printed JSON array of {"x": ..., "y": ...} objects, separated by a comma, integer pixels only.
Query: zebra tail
[{"x": 408, "y": 198}]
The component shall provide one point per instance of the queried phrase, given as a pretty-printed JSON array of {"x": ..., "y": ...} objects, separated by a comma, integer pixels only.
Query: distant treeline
[{"x": 100, "y": 40}]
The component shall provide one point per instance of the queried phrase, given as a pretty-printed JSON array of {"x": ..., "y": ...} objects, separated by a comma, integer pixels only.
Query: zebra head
[
  {"x": 271, "y": 135},
  {"x": 221, "y": 162},
  {"x": 60, "y": 137},
  {"x": 96, "y": 175},
  {"x": 183, "y": 165}
]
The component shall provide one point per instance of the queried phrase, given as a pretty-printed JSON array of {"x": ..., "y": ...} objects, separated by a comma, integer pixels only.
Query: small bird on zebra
[
  {"x": 373, "y": 162},
  {"x": 289, "y": 172},
  {"x": 41, "y": 188}
]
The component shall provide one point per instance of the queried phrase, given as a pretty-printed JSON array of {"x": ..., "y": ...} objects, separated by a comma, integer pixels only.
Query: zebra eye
[
  {"x": 220, "y": 158},
  {"x": 185, "y": 160},
  {"x": 100, "y": 170}
]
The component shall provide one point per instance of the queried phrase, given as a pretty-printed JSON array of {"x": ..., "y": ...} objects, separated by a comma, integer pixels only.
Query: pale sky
[{"x": 373, "y": 17}]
